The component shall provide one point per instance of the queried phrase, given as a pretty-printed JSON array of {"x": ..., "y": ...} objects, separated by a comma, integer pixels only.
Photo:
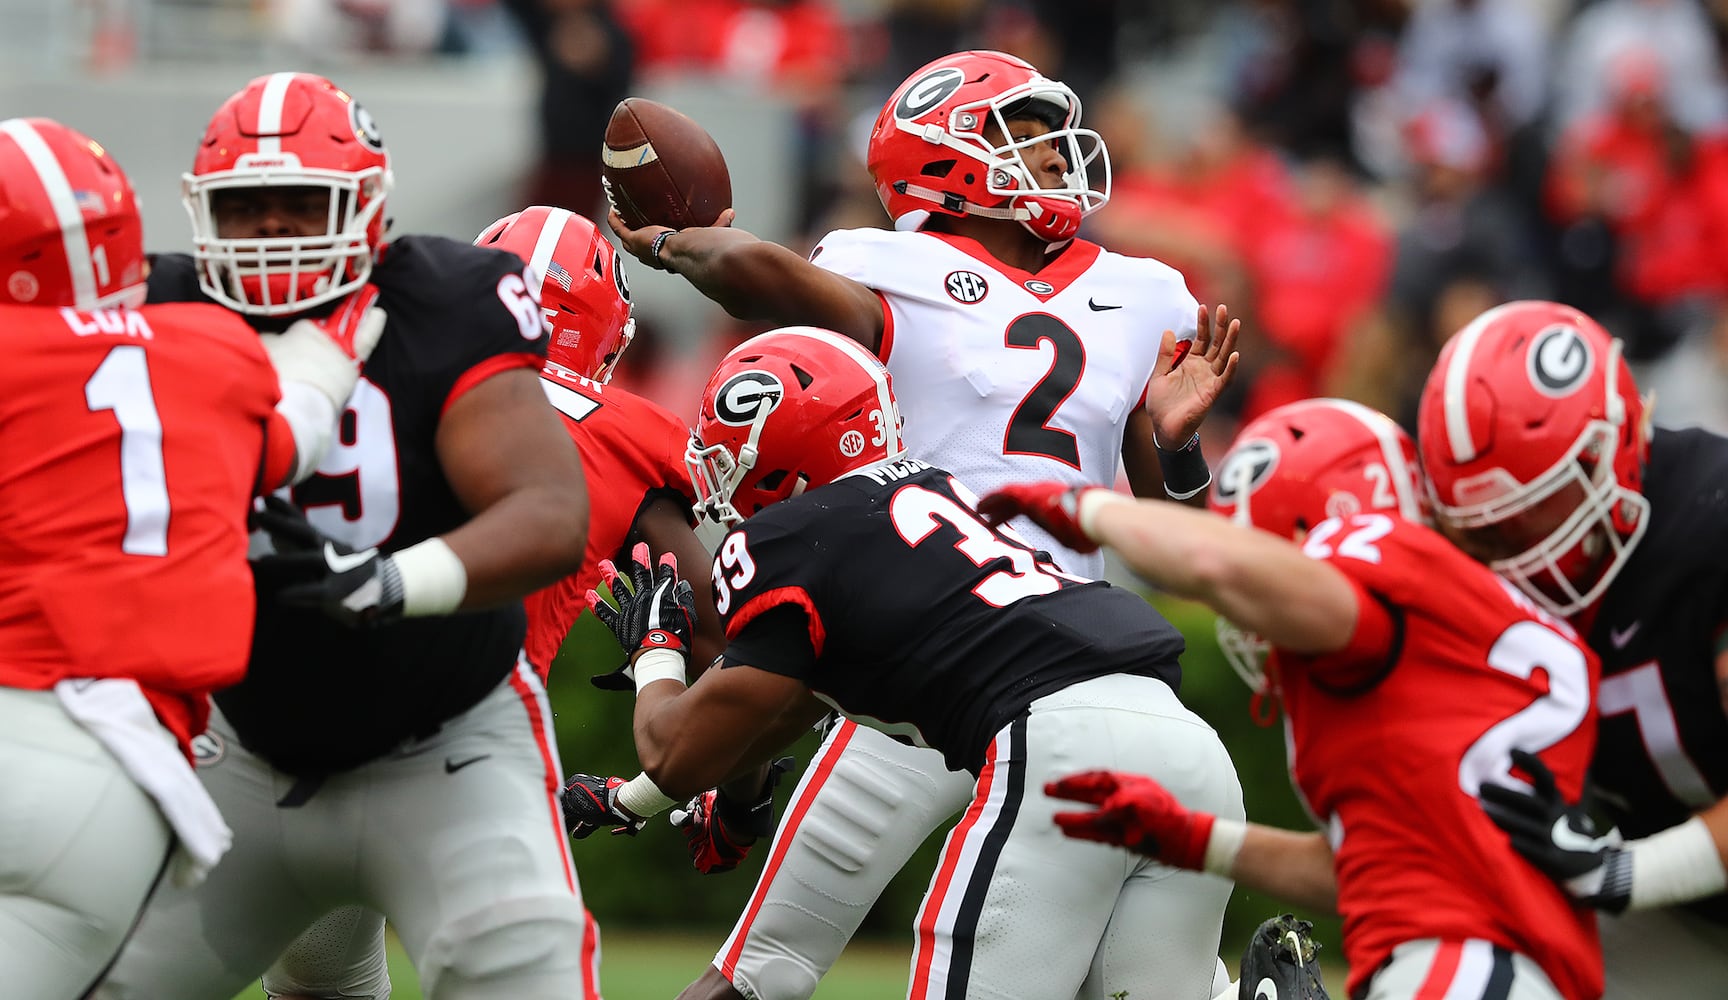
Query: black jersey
[
  {"x": 319, "y": 696},
  {"x": 887, "y": 595},
  {"x": 1662, "y": 753}
]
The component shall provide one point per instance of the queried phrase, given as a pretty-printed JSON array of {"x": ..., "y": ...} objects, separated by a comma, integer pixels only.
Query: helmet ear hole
[{"x": 771, "y": 482}]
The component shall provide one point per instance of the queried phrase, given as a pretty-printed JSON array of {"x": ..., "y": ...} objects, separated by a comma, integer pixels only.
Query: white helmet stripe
[
  {"x": 550, "y": 233},
  {"x": 270, "y": 112},
  {"x": 1457, "y": 373},
  {"x": 867, "y": 361},
  {"x": 66, "y": 210},
  {"x": 1382, "y": 428}
]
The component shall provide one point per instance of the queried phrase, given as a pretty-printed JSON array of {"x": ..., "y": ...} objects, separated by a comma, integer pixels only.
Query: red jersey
[
  {"x": 632, "y": 453},
  {"x": 1449, "y": 669},
  {"x": 133, "y": 443}
]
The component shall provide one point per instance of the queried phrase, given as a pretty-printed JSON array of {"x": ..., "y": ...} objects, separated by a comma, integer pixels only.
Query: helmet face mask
[
  {"x": 70, "y": 232},
  {"x": 786, "y": 411},
  {"x": 1535, "y": 439},
  {"x": 284, "y": 132},
  {"x": 584, "y": 296},
  {"x": 943, "y": 144},
  {"x": 1299, "y": 465}
]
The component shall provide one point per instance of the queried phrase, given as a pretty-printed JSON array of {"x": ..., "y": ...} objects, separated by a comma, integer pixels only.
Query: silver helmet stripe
[
  {"x": 1457, "y": 374},
  {"x": 1403, "y": 483},
  {"x": 550, "y": 233},
  {"x": 66, "y": 211},
  {"x": 270, "y": 113},
  {"x": 873, "y": 367}
]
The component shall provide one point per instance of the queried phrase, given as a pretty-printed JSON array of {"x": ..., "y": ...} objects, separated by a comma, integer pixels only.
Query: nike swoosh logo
[
  {"x": 1568, "y": 839},
  {"x": 340, "y": 563},
  {"x": 1093, "y": 305},
  {"x": 1621, "y": 636},
  {"x": 1267, "y": 990},
  {"x": 452, "y": 766}
]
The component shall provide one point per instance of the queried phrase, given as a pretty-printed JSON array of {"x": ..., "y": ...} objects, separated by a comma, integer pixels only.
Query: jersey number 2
[
  {"x": 121, "y": 383},
  {"x": 1029, "y": 430}
]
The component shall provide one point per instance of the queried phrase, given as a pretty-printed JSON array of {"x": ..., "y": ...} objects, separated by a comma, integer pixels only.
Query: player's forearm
[
  {"x": 1259, "y": 582},
  {"x": 529, "y": 539},
  {"x": 748, "y": 277},
  {"x": 1295, "y": 867},
  {"x": 657, "y": 726}
]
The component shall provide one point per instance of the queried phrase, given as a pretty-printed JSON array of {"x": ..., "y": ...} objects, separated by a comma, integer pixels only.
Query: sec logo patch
[
  {"x": 851, "y": 444},
  {"x": 966, "y": 287}
]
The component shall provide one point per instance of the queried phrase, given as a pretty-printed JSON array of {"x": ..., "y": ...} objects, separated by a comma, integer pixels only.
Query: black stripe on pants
[{"x": 1012, "y": 769}]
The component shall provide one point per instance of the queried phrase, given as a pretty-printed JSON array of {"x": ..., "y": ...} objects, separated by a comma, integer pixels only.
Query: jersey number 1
[{"x": 121, "y": 383}]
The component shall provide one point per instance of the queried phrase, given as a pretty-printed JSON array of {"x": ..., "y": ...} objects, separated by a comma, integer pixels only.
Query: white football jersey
[{"x": 1006, "y": 376}]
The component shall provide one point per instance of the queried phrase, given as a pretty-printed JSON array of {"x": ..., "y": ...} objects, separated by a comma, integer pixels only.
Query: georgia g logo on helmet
[
  {"x": 1559, "y": 361},
  {"x": 1246, "y": 466},
  {"x": 928, "y": 91},
  {"x": 747, "y": 395}
]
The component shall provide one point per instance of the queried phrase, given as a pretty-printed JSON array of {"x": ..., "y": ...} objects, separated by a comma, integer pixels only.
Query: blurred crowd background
[{"x": 1354, "y": 178}]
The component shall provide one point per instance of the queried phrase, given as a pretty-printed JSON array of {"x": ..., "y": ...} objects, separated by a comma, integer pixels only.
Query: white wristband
[
  {"x": 1091, "y": 502},
  {"x": 1678, "y": 865},
  {"x": 1223, "y": 846},
  {"x": 312, "y": 423},
  {"x": 642, "y": 798},
  {"x": 434, "y": 580},
  {"x": 658, "y": 665}
]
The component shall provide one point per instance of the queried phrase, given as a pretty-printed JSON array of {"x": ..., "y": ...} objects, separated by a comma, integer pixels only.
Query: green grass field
[
  {"x": 638, "y": 965},
  {"x": 635, "y": 965}
]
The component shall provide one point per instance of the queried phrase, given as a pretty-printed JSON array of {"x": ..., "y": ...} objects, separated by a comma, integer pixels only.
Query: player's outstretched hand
[
  {"x": 639, "y": 243},
  {"x": 1185, "y": 384},
  {"x": 1135, "y": 812},
  {"x": 655, "y": 609},
  {"x": 591, "y": 802},
  {"x": 719, "y": 829},
  {"x": 309, "y": 569},
  {"x": 1559, "y": 838},
  {"x": 1053, "y": 506}
]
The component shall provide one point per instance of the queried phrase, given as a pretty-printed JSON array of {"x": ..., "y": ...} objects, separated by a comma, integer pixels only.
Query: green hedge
[{"x": 647, "y": 881}]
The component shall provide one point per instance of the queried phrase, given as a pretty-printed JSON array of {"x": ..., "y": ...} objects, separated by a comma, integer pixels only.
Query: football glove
[
  {"x": 1561, "y": 840},
  {"x": 655, "y": 608},
  {"x": 1134, "y": 812},
  {"x": 591, "y": 802},
  {"x": 309, "y": 569},
  {"x": 326, "y": 352},
  {"x": 719, "y": 830},
  {"x": 1053, "y": 506}
]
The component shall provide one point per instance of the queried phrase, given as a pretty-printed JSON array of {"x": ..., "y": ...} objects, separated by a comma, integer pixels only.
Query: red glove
[
  {"x": 1055, "y": 507},
  {"x": 1134, "y": 812},
  {"x": 352, "y": 326},
  {"x": 712, "y": 847}
]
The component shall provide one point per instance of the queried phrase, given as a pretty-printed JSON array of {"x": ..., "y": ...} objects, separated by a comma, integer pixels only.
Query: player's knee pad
[
  {"x": 341, "y": 957},
  {"x": 518, "y": 947}
]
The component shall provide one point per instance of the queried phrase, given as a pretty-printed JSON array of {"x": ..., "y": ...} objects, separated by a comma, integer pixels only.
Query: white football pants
[
  {"x": 81, "y": 845},
  {"x": 1459, "y": 970},
  {"x": 457, "y": 838},
  {"x": 1008, "y": 884}
]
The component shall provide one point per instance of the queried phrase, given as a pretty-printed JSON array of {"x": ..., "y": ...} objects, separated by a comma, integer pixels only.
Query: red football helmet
[
  {"x": 1534, "y": 439},
  {"x": 69, "y": 228},
  {"x": 1301, "y": 464},
  {"x": 289, "y": 130},
  {"x": 786, "y": 411},
  {"x": 928, "y": 152},
  {"x": 582, "y": 288}
]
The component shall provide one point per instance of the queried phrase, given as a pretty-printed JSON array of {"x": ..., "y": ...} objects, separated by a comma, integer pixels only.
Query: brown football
[{"x": 663, "y": 169}]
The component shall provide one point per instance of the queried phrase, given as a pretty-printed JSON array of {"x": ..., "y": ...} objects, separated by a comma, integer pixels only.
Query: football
[{"x": 663, "y": 169}]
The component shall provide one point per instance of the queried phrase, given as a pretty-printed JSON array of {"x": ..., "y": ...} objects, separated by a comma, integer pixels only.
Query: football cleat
[{"x": 1279, "y": 962}]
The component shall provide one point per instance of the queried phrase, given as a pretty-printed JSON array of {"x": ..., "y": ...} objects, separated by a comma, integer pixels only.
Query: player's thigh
[
  {"x": 80, "y": 847},
  {"x": 215, "y": 938},
  {"x": 1469, "y": 968},
  {"x": 1655, "y": 953},
  {"x": 342, "y": 955},
  {"x": 465, "y": 853},
  {"x": 863, "y": 806}
]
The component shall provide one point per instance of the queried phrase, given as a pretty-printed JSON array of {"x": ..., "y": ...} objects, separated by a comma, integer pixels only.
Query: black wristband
[
  {"x": 659, "y": 244},
  {"x": 1185, "y": 470}
]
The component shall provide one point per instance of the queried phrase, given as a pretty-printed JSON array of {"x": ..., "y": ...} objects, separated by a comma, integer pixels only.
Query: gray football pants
[{"x": 457, "y": 838}]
